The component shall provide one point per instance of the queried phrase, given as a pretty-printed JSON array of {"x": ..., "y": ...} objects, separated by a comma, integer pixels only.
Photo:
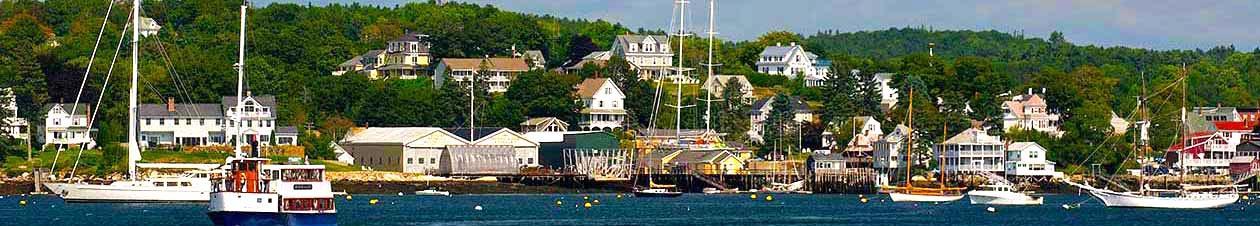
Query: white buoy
[
  {"x": 477, "y": 208},
  {"x": 400, "y": 194},
  {"x": 1067, "y": 207},
  {"x": 991, "y": 209}
]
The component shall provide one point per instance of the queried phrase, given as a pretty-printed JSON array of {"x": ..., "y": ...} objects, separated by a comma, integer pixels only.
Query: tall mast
[
  {"x": 941, "y": 151},
  {"x": 708, "y": 102},
  {"x": 1185, "y": 130},
  {"x": 909, "y": 138},
  {"x": 682, "y": 33},
  {"x": 133, "y": 147},
  {"x": 240, "y": 84}
]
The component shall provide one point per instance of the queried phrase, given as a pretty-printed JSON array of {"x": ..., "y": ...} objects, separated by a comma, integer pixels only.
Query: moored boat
[
  {"x": 1002, "y": 194},
  {"x": 433, "y": 192}
]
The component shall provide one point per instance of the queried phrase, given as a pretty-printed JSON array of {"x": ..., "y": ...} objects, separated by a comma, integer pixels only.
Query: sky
[{"x": 1157, "y": 24}]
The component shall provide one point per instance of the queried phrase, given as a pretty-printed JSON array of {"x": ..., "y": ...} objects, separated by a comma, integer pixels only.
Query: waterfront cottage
[
  {"x": 499, "y": 71},
  {"x": 1028, "y": 159},
  {"x": 972, "y": 151},
  {"x": 66, "y": 125},
  {"x": 829, "y": 163},
  {"x": 705, "y": 162},
  {"x": 602, "y": 105},
  {"x": 889, "y": 154},
  {"x": 286, "y": 135}
]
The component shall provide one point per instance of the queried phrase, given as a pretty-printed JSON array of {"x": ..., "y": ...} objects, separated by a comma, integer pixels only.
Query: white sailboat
[
  {"x": 193, "y": 186},
  {"x": 1187, "y": 197}
]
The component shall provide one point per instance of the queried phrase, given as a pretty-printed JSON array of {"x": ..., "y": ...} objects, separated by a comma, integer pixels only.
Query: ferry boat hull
[
  {"x": 1003, "y": 198},
  {"x": 228, "y": 218},
  {"x": 1199, "y": 201},
  {"x": 130, "y": 191},
  {"x": 903, "y": 197}
]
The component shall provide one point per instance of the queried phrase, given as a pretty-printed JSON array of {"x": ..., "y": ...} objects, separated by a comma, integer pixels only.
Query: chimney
[
  {"x": 1030, "y": 91},
  {"x": 1043, "y": 90},
  {"x": 792, "y": 43},
  {"x": 170, "y": 104},
  {"x": 778, "y": 44}
]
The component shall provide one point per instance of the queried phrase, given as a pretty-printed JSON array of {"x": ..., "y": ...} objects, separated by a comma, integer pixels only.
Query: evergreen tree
[
  {"x": 868, "y": 94},
  {"x": 732, "y": 116}
]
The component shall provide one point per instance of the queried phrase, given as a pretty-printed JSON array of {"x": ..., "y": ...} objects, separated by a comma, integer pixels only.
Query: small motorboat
[
  {"x": 433, "y": 192},
  {"x": 1002, "y": 194},
  {"x": 656, "y": 192}
]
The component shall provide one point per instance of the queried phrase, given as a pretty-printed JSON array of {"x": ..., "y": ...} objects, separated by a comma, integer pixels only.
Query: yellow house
[{"x": 706, "y": 162}]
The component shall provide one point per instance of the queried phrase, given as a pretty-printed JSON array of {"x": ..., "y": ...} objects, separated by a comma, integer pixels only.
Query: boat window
[
  {"x": 302, "y": 175},
  {"x": 159, "y": 184},
  {"x": 172, "y": 184},
  {"x": 185, "y": 184}
]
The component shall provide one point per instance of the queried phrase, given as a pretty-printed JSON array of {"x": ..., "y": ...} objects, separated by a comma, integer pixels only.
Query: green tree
[{"x": 732, "y": 117}]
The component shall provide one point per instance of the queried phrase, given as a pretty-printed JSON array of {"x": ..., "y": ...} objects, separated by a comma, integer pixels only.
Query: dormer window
[
  {"x": 664, "y": 48},
  {"x": 649, "y": 48},
  {"x": 634, "y": 47}
]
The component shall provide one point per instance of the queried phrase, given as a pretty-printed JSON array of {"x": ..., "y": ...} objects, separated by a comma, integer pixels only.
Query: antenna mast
[{"x": 240, "y": 85}]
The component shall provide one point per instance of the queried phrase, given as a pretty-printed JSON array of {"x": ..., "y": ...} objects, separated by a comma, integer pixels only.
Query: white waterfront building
[
  {"x": 1028, "y": 159},
  {"x": 258, "y": 117},
  {"x": 181, "y": 124},
  {"x": 972, "y": 151},
  {"x": 62, "y": 128},
  {"x": 602, "y": 105}
]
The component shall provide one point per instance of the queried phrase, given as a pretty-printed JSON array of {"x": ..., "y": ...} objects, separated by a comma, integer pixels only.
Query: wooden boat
[{"x": 909, "y": 193}]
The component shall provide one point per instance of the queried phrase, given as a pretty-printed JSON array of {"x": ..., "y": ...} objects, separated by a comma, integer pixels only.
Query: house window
[
  {"x": 176, "y": 121},
  {"x": 433, "y": 161},
  {"x": 148, "y": 121},
  {"x": 665, "y": 47},
  {"x": 161, "y": 121},
  {"x": 187, "y": 121},
  {"x": 648, "y": 48},
  {"x": 218, "y": 121},
  {"x": 409, "y": 161},
  {"x": 203, "y": 121},
  {"x": 634, "y": 47}
]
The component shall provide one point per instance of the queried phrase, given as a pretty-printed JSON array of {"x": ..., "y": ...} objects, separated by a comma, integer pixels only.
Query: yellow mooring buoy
[
  {"x": 769, "y": 198},
  {"x": 618, "y": 195},
  {"x": 863, "y": 200},
  {"x": 587, "y": 205},
  {"x": 752, "y": 196},
  {"x": 22, "y": 202},
  {"x": 558, "y": 203},
  {"x": 373, "y": 201},
  {"x": 349, "y": 197}
]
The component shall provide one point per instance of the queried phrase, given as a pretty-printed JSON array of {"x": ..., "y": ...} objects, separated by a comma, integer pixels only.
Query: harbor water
[{"x": 690, "y": 209}]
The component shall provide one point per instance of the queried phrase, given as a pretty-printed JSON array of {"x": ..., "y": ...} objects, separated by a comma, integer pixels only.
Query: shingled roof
[
  {"x": 590, "y": 87},
  {"x": 496, "y": 64},
  {"x": 182, "y": 110}
]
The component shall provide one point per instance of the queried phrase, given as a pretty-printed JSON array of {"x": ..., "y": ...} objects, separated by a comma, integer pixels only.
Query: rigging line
[
  {"x": 91, "y": 59},
  {"x": 100, "y": 98},
  {"x": 1131, "y": 115},
  {"x": 151, "y": 87},
  {"x": 181, "y": 90}
]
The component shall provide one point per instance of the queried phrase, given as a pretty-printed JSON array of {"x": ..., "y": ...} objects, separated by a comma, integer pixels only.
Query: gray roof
[
  {"x": 182, "y": 110},
  {"x": 828, "y": 157},
  {"x": 265, "y": 100},
  {"x": 1216, "y": 111},
  {"x": 777, "y": 51},
  {"x": 81, "y": 110},
  {"x": 286, "y": 130},
  {"x": 357, "y": 60},
  {"x": 479, "y": 131},
  {"x": 375, "y": 52},
  {"x": 798, "y": 105},
  {"x": 639, "y": 39},
  {"x": 409, "y": 37}
]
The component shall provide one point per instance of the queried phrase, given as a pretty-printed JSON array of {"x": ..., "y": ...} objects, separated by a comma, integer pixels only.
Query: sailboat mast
[
  {"x": 941, "y": 151},
  {"x": 133, "y": 147},
  {"x": 240, "y": 85},
  {"x": 909, "y": 138},
  {"x": 682, "y": 18},
  {"x": 708, "y": 103}
]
